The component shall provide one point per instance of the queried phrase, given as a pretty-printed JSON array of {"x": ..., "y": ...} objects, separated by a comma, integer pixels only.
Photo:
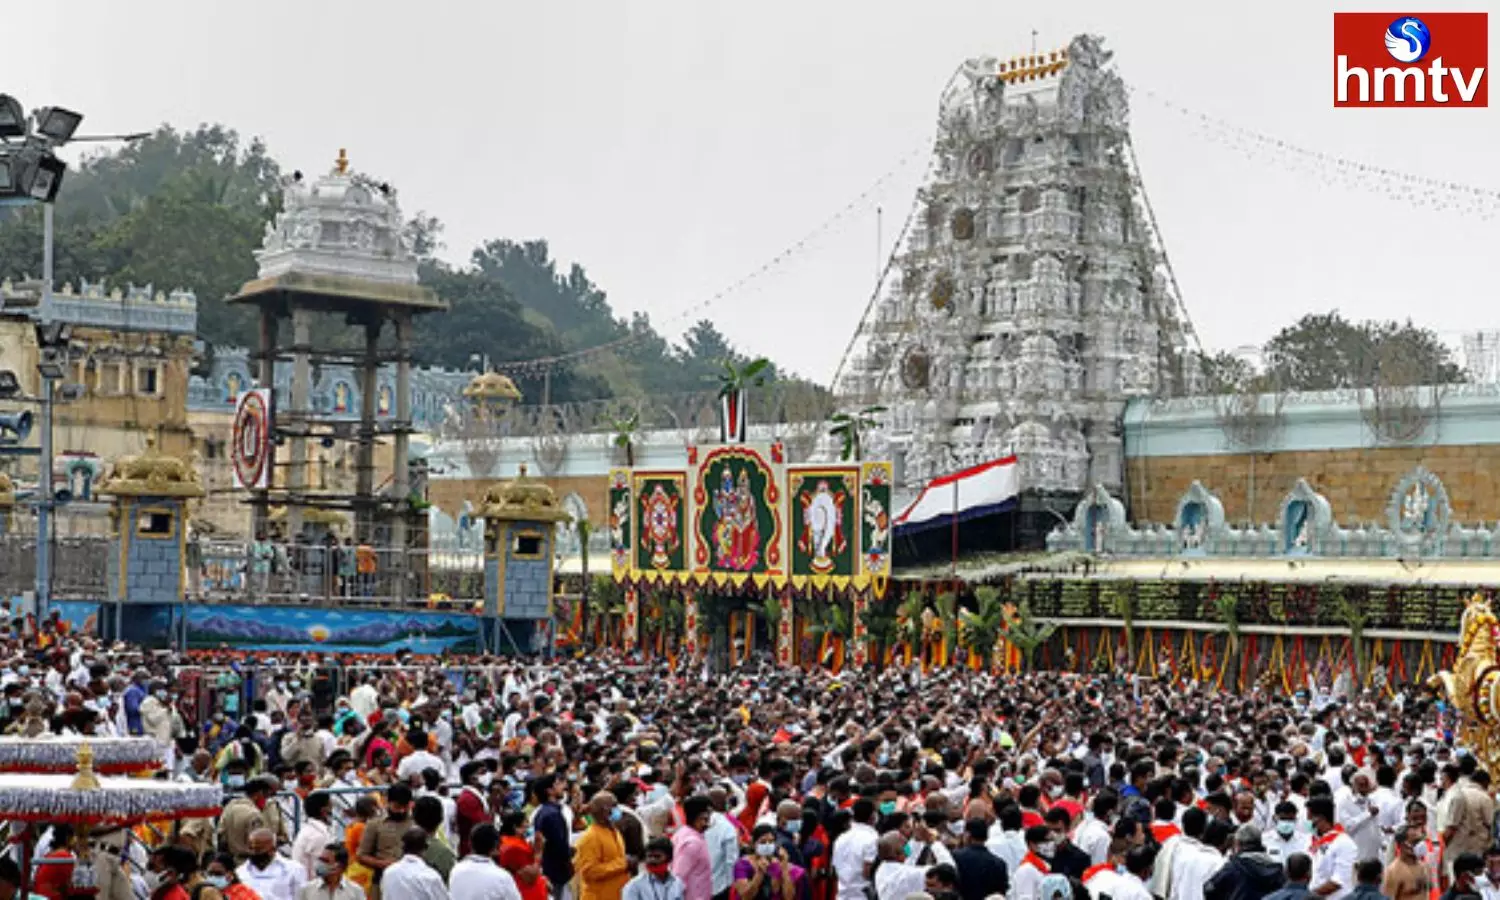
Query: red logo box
[{"x": 1453, "y": 72}]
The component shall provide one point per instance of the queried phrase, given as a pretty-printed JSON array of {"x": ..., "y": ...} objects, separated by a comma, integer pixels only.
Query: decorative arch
[
  {"x": 1305, "y": 519},
  {"x": 1418, "y": 512},
  {"x": 1199, "y": 520},
  {"x": 1097, "y": 517}
]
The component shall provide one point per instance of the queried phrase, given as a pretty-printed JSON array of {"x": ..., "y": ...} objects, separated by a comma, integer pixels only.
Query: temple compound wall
[{"x": 1350, "y": 446}]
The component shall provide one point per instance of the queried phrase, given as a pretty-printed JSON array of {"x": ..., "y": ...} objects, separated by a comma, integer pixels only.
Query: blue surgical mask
[
  {"x": 235, "y": 781},
  {"x": 887, "y": 807},
  {"x": 217, "y": 881},
  {"x": 793, "y": 826},
  {"x": 1286, "y": 828},
  {"x": 615, "y": 814}
]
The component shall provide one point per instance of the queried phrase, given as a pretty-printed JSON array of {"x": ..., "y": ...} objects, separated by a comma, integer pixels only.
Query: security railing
[{"x": 264, "y": 572}]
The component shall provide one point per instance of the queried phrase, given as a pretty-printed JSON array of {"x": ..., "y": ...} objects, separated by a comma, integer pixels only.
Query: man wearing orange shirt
[{"x": 599, "y": 856}]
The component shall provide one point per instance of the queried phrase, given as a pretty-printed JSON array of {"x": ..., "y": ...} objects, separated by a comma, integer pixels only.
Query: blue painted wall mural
[{"x": 329, "y": 630}]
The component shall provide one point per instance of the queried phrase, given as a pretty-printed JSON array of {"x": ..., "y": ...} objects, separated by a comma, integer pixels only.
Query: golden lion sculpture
[{"x": 1473, "y": 687}]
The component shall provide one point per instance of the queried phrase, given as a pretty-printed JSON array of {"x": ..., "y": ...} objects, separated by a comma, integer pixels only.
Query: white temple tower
[{"x": 1030, "y": 299}]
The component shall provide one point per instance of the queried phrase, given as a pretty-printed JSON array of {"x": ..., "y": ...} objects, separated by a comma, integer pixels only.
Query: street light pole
[{"x": 44, "y": 464}]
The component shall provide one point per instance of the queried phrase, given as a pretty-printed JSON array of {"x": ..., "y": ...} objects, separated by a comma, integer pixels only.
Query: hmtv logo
[{"x": 1420, "y": 59}]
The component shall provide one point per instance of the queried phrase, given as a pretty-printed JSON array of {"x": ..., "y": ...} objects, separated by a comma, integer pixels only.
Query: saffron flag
[{"x": 981, "y": 490}]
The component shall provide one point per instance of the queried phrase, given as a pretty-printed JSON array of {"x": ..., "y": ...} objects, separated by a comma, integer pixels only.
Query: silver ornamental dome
[{"x": 342, "y": 224}]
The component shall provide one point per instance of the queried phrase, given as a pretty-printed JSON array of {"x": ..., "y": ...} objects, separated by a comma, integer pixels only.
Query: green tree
[
  {"x": 1328, "y": 352},
  {"x": 188, "y": 235}
]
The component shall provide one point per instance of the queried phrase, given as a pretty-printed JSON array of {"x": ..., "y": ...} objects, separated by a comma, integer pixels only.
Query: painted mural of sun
[{"x": 319, "y": 633}]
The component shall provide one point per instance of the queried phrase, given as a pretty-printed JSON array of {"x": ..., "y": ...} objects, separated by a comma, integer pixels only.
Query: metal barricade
[{"x": 340, "y": 575}]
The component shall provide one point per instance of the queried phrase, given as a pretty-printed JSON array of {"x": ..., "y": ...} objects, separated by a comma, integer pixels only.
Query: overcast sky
[{"x": 673, "y": 146}]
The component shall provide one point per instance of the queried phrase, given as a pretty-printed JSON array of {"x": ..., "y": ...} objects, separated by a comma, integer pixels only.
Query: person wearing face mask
[
  {"x": 380, "y": 846},
  {"x": 219, "y": 874},
  {"x": 328, "y": 881},
  {"x": 473, "y": 809},
  {"x": 599, "y": 856},
  {"x": 788, "y": 828},
  {"x": 656, "y": 880},
  {"x": 1287, "y": 835},
  {"x": 243, "y": 816},
  {"x": 1408, "y": 876},
  {"x": 1466, "y": 869},
  {"x": 269, "y": 874},
  {"x": 304, "y": 744},
  {"x": 896, "y": 879},
  {"x": 1034, "y": 866}
]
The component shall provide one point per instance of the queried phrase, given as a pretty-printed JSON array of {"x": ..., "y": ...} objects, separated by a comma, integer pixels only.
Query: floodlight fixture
[
  {"x": 51, "y": 369},
  {"x": 53, "y": 334},
  {"x": 56, "y": 124},
  {"x": 12, "y": 117},
  {"x": 14, "y": 427},
  {"x": 10, "y": 385},
  {"x": 7, "y": 175},
  {"x": 47, "y": 179}
]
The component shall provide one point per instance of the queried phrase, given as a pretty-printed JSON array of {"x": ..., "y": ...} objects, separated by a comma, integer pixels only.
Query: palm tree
[
  {"x": 850, "y": 429},
  {"x": 770, "y": 611},
  {"x": 981, "y": 628},
  {"x": 1027, "y": 634},
  {"x": 1228, "y": 608}
]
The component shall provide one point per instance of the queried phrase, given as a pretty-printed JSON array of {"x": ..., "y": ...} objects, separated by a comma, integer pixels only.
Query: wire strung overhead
[
  {"x": 541, "y": 365},
  {"x": 1419, "y": 190}
]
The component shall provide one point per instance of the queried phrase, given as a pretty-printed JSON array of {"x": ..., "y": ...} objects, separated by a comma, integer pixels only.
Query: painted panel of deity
[
  {"x": 737, "y": 522},
  {"x": 823, "y": 520},
  {"x": 659, "y": 502}
]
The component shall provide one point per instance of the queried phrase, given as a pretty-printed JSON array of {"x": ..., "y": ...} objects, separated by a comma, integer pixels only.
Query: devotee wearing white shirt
[
  {"x": 1334, "y": 852},
  {"x": 270, "y": 875},
  {"x": 1093, "y": 835},
  {"x": 1132, "y": 883},
  {"x": 315, "y": 833},
  {"x": 1358, "y": 814},
  {"x": 896, "y": 879},
  {"x": 476, "y": 877},
  {"x": 410, "y": 878},
  {"x": 1027, "y": 877},
  {"x": 1287, "y": 834},
  {"x": 855, "y": 851}
]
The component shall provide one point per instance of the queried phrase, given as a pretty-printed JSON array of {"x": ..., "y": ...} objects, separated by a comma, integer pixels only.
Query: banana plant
[
  {"x": 1355, "y": 617},
  {"x": 909, "y": 624},
  {"x": 982, "y": 626},
  {"x": 851, "y": 428},
  {"x": 947, "y": 610},
  {"x": 624, "y": 430},
  {"x": 1228, "y": 608},
  {"x": 1026, "y": 633}
]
